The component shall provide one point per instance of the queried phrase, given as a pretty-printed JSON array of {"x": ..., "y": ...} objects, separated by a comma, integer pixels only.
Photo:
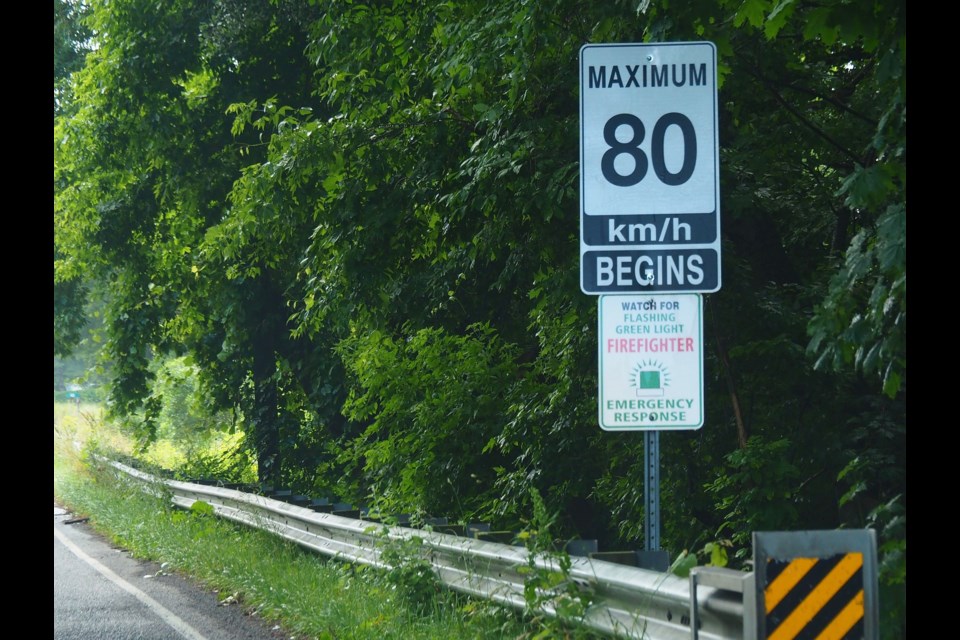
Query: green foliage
[
  {"x": 204, "y": 512},
  {"x": 69, "y": 318},
  {"x": 359, "y": 222},
  {"x": 683, "y": 563},
  {"x": 70, "y": 46},
  {"x": 548, "y": 585},
  {"x": 714, "y": 554},
  {"x": 432, "y": 401},
  {"x": 890, "y": 522},
  {"x": 201, "y": 508},
  {"x": 231, "y": 465},
  {"x": 172, "y": 410},
  {"x": 873, "y": 484},
  {"x": 872, "y": 335},
  {"x": 185, "y": 417},
  {"x": 757, "y": 492},
  {"x": 409, "y": 573}
]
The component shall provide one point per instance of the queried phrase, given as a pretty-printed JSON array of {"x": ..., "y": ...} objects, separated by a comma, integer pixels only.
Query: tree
[{"x": 144, "y": 165}]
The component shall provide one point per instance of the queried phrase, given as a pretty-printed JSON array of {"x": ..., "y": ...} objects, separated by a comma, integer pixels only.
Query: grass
[{"x": 306, "y": 594}]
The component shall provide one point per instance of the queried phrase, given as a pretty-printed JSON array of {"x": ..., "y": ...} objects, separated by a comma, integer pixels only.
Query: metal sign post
[{"x": 651, "y": 491}]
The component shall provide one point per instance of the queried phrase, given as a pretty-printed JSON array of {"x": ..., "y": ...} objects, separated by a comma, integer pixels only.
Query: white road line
[{"x": 165, "y": 614}]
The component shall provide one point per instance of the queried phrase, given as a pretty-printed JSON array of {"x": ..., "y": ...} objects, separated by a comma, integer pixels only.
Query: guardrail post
[{"x": 741, "y": 582}]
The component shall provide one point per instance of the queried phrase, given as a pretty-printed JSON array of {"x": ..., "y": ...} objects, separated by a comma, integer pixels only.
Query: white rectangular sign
[
  {"x": 651, "y": 362},
  {"x": 649, "y": 168}
]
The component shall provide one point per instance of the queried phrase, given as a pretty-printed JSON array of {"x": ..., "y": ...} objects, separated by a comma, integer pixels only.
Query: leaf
[
  {"x": 872, "y": 357},
  {"x": 890, "y": 67},
  {"x": 778, "y": 18},
  {"x": 780, "y": 7},
  {"x": 818, "y": 26},
  {"x": 892, "y": 238},
  {"x": 683, "y": 564},
  {"x": 202, "y": 508},
  {"x": 753, "y": 12},
  {"x": 891, "y": 381},
  {"x": 854, "y": 491},
  {"x": 866, "y": 187},
  {"x": 718, "y": 556}
]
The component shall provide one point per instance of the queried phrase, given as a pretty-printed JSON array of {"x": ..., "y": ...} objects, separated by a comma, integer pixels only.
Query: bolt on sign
[
  {"x": 651, "y": 362},
  {"x": 816, "y": 584}
]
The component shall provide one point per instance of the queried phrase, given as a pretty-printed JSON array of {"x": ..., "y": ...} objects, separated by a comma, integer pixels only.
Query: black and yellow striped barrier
[{"x": 817, "y": 585}]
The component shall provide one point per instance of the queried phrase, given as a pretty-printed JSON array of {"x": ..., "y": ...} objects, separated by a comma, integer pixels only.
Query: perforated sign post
[{"x": 649, "y": 168}]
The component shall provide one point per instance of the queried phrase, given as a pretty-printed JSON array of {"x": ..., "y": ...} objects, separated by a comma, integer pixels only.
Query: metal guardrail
[{"x": 627, "y": 602}]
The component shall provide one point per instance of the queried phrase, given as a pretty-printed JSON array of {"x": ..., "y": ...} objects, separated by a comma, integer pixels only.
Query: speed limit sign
[{"x": 649, "y": 168}]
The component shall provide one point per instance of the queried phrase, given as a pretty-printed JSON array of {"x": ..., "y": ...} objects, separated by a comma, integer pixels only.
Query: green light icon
[{"x": 649, "y": 379}]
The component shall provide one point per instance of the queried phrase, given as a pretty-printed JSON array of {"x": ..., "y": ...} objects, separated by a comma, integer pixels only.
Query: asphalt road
[{"x": 101, "y": 592}]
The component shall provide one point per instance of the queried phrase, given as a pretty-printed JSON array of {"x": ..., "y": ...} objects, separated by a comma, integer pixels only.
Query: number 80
[{"x": 632, "y": 148}]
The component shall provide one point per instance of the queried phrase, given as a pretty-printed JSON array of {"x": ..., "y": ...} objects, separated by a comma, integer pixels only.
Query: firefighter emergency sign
[{"x": 651, "y": 362}]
